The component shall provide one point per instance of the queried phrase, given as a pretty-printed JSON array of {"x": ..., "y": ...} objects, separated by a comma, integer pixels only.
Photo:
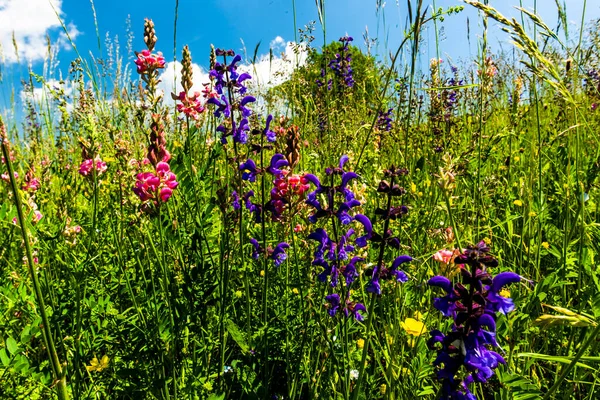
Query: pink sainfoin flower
[
  {"x": 209, "y": 92},
  {"x": 147, "y": 61},
  {"x": 86, "y": 166},
  {"x": 154, "y": 186},
  {"x": 191, "y": 106},
  {"x": 6, "y": 178},
  {"x": 37, "y": 216},
  {"x": 31, "y": 184}
]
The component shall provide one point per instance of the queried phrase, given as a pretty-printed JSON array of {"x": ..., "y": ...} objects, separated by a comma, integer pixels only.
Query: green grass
[{"x": 165, "y": 300}]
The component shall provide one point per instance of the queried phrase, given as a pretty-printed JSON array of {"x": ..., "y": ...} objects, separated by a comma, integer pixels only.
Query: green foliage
[{"x": 164, "y": 300}]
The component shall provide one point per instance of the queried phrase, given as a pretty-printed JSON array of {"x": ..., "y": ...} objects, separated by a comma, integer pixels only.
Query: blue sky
[{"x": 226, "y": 24}]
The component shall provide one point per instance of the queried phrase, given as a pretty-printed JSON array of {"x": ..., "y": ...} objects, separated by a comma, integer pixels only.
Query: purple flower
[
  {"x": 278, "y": 254},
  {"x": 277, "y": 161},
  {"x": 354, "y": 310},
  {"x": 236, "y": 200},
  {"x": 368, "y": 227},
  {"x": 256, "y": 248},
  {"x": 248, "y": 170},
  {"x": 268, "y": 132},
  {"x": 246, "y": 112},
  {"x": 472, "y": 304},
  {"x": 333, "y": 305}
]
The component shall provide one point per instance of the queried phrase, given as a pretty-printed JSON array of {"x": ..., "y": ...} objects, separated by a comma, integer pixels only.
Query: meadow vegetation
[{"x": 372, "y": 228}]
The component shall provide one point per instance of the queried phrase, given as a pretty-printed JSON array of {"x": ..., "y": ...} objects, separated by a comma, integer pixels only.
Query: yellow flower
[
  {"x": 262, "y": 272},
  {"x": 382, "y": 389},
  {"x": 413, "y": 187},
  {"x": 518, "y": 203},
  {"x": 504, "y": 293},
  {"x": 546, "y": 245},
  {"x": 360, "y": 343},
  {"x": 413, "y": 327},
  {"x": 295, "y": 291},
  {"x": 96, "y": 365},
  {"x": 532, "y": 214},
  {"x": 238, "y": 294}
]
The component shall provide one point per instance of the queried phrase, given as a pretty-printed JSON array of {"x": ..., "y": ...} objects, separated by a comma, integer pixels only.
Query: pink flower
[
  {"x": 32, "y": 185},
  {"x": 165, "y": 194},
  {"x": 14, "y": 221},
  {"x": 209, "y": 93},
  {"x": 148, "y": 62},
  {"x": 190, "y": 105},
  {"x": 86, "y": 166},
  {"x": 444, "y": 256},
  {"x": 146, "y": 185},
  {"x": 5, "y": 177},
  {"x": 37, "y": 216},
  {"x": 163, "y": 182}
]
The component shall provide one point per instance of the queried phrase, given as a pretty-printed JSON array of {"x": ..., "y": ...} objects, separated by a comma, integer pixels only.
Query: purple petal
[
  {"x": 441, "y": 281},
  {"x": 503, "y": 279}
]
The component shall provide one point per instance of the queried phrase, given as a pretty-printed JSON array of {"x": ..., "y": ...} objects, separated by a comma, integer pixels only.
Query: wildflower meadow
[{"x": 374, "y": 226}]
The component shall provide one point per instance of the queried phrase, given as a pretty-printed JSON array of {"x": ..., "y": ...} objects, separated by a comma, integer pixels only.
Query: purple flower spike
[{"x": 473, "y": 304}]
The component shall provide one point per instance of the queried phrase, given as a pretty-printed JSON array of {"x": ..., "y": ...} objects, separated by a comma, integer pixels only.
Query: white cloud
[
  {"x": 170, "y": 80},
  {"x": 272, "y": 71},
  {"x": 30, "y": 21},
  {"x": 266, "y": 72},
  {"x": 277, "y": 43}
]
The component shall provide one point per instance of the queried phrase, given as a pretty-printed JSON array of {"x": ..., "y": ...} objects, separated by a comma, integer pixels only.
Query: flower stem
[{"x": 60, "y": 378}]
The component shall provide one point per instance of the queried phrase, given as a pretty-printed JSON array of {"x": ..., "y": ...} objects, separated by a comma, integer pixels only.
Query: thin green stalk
[
  {"x": 59, "y": 375},
  {"x": 591, "y": 338}
]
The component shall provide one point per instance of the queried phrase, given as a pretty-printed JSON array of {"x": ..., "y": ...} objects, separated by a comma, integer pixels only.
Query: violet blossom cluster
[
  {"x": 341, "y": 65},
  {"x": 473, "y": 305},
  {"x": 334, "y": 254},
  {"x": 385, "y": 239},
  {"x": 230, "y": 94}
]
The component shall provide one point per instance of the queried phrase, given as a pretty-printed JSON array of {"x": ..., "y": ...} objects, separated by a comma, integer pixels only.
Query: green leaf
[
  {"x": 4, "y": 358},
  {"x": 11, "y": 345},
  {"x": 214, "y": 396},
  {"x": 237, "y": 336},
  {"x": 559, "y": 359}
]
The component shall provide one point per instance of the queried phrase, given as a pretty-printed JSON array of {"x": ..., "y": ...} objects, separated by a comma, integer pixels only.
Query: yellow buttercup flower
[
  {"x": 518, "y": 203},
  {"x": 414, "y": 327},
  {"x": 360, "y": 343},
  {"x": 96, "y": 365},
  {"x": 546, "y": 245}
]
